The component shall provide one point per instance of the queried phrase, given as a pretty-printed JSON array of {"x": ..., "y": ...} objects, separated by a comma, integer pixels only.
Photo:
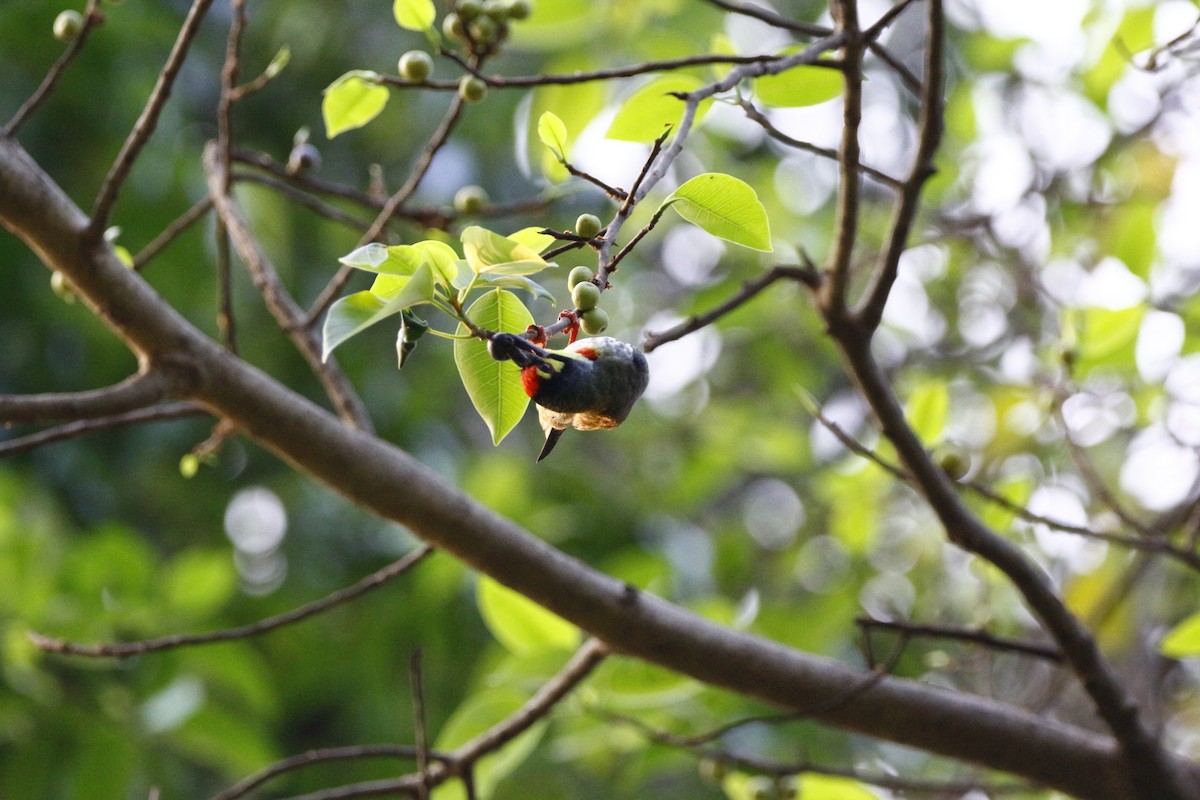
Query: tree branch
[
  {"x": 127, "y": 649},
  {"x": 146, "y": 123},
  {"x": 134, "y": 393},
  {"x": 923, "y": 168},
  {"x": 368, "y": 471},
  {"x": 287, "y": 313}
]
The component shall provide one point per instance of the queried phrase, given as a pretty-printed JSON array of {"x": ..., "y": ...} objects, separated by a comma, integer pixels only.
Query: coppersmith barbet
[{"x": 592, "y": 384}]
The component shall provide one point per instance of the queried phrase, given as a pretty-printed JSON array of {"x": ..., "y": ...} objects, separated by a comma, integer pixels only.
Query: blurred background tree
[{"x": 1041, "y": 335}]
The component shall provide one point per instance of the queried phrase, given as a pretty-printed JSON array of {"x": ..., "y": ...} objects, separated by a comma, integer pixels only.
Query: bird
[{"x": 592, "y": 384}]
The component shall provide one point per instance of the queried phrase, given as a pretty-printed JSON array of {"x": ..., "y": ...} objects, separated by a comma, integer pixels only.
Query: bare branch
[
  {"x": 146, "y": 123},
  {"x": 976, "y": 635},
  {"x": 833, "y": 292},
  {"x": 750, "y": 289},
  {"x": 930, "y": 137},
  {"x": 92, "y": 17},
  {"x": 287, "y": 313},
  {"x": 169, "y": 233},
  {"x": 134, "y": 393},
  {"x": 127, "y": 649},
  {"x": 73, "y": 430},
  {"x": 244, "y": 787}
]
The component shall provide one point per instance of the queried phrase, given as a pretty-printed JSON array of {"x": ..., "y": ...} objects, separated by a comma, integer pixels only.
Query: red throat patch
[
  {"x": 587, "y": 352},
  {"x": 530, "y": 380}
]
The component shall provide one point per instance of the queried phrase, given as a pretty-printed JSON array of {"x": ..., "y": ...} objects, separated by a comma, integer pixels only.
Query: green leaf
[
  {"x": 805, "y": 85},
  {"x": 416, "y": 15},
  {"x": 521, "y": 625},
  {"x": 533, "y": 238},
  {"x": 927, "y": 409},
  {"x": 1130, "y": 236},
  {"x": 493, "y": 386},
  {"x": 1183, "y": 640},
  {"x": 474, "y": 716},
  {"x": 352, "y": 101},
  {"x": 404, "y": 260},
  {"x": 1107, "y": 337},
  {"x": 725, "y": 207},
  {"x": 553, "y": 133},
  {"x": 359, "y": 311},
  {"x": 518, "y": 282},
  {"x": 199, "y": 581},
  {"x": 489, "y": 252},
  {"x": 832, "y": 787},
  {"x": 652, "y": 109}
]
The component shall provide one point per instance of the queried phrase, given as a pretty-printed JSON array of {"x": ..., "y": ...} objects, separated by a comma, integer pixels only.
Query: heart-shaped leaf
[
  {"x": 352, "y": 101},
  {"x": 493, "y": 386},
  {"x": 725, "y": 207}
]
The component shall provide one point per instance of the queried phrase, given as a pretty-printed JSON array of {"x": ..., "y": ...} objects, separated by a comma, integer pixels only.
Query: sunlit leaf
[
  {"x": 553, "y": 133},
  {"x": 1131, "y": 236},
  {"x": 519, "y": 282},
  {"x": 1183, "y": 640},
  {"x": 1107, "y": 337},
  {"x": 357, "y": 312},
  {"x": 725, "y": 207},
  {"x": 1134, "y": 34},
  {"x": 352, "y": 101},
  {"x": 805, "y": 85},
  {"x": 833, "y": 787},
  {"x": 533, "y": 238},
  {"x": 493, "y": 386},
  {"x": 521, "y": 625},
  {"x": 653, "y": 109},
  {"x": 927, "y": 409},
  {"x": 416, "y": 15},
  {"x": 489, "y": 252}
]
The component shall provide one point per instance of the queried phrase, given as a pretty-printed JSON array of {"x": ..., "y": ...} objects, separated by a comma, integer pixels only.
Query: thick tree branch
[
  {"x": 369, "y": 471},
  {"x": 135, "y": 392}
]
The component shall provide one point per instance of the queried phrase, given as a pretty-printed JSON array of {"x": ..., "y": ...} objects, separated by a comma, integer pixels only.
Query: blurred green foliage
[{"x": 720, "y": 492}]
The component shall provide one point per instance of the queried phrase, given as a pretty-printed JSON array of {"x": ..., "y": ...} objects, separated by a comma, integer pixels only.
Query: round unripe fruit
[
  {"x": 954, "y": 460},
  {"x": 587, "y": 226},
  {"x": 585, "y": 296},
  {"x": 496, "y": 9},
  {"x": 415, "y": 65},
  {"x": 67, "y": 25},
  {"x": 483, "y": 29},
  {"x": 468, "y": 9},
  {"x": 471, "y": 89},
  {"x": 519, "y": 9},
  {"x": 579, "y": 275},
  {"x": 594, "y": 321},
  {"x": 453, "y": 26},
  {"x": 470, "y": 199}
]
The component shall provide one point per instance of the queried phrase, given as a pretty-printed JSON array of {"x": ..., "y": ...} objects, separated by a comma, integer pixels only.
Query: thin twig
[
  {"x": 146, "y": 123},
  {"x": 976, "y": 635},
  {"x": 279, "y": 301},
  {"x": 92, "y": 17},
  {"x": 169, "y": 233},
  {"x": 611, "y": 73},
  {"x": 127, "y": 649},
  {"x": 755, "y": 115},
  {"x": 244, "y": 787},
  {"x": 419, "y": 733},
  {"x": 73, "y": 430},
  {"x": 749, "y": 290},
  {"x": 833, "y": 293},
  {"x": 930, "y": 137},
  {"x": 771, "y": 18}
]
